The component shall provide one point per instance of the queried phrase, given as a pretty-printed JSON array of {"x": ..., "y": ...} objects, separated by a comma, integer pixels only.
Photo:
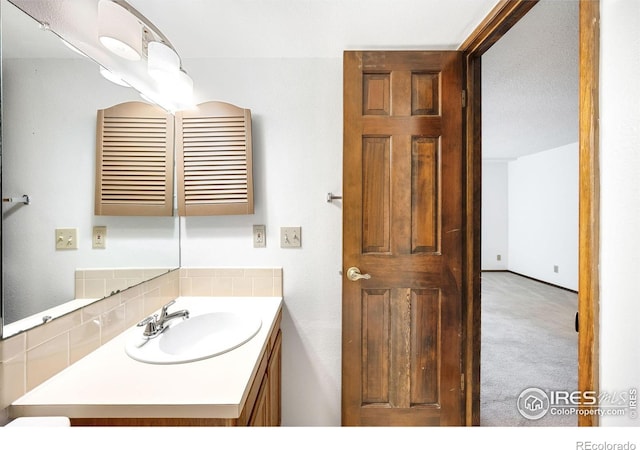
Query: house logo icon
[{"x": 533, "y": 403}]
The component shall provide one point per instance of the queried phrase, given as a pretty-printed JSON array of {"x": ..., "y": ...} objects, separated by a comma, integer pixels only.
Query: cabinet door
[
  {"x": 214, "y": 160},
  {"x": 134, "y": 161},
  {"x": 274, "y": 375},
  {"x": 266, "y": 409},
  {"x": 260, "y": 416}
]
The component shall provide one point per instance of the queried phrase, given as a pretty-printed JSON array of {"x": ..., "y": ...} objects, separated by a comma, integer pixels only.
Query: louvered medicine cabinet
[{"x": 136, "y": 144}]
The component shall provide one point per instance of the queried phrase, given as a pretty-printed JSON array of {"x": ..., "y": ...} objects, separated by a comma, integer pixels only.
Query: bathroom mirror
[{"x": 50, "y": 96}]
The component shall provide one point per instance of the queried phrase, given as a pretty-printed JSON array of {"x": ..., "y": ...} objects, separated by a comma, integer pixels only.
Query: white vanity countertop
[{"x": 108, "y": 383}]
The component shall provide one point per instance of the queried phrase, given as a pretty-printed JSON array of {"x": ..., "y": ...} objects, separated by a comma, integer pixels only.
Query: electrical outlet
[
  {"x": 290, "y": 237},
  {"x": 259, "y": 236},
  {"x": 99, "y": 237},
  {"x": 66, "y": 238},
  {"x": 556, "y": 269},
  {"x": 499, "y": 257}
]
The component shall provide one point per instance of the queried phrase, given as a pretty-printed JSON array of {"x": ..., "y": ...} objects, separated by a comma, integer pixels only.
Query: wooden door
[{"x": 402, "y": 226}]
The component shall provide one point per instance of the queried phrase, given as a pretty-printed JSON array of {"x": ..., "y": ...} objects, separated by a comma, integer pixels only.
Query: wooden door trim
[
  {"x": 504, "y": 16},
  {"x": 589, "y": 204},
  {"x": 499, "y": 20}
]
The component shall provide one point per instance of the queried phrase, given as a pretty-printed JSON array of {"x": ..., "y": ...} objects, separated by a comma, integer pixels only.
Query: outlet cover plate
[
  {"x": 290, "y": 237},
  {"x": 259, "y": 236},
  {"x": 99, "y": 237}
]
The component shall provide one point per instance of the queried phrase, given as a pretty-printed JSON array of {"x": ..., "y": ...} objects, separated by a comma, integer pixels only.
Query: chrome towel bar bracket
[
  {"x": 24, "y": 199},
  {"x": 331, "y": 197}
]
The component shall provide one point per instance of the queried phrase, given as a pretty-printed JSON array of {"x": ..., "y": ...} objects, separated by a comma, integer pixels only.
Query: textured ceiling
[
  {"x": 311, "y": 28},
  {"x": 530, "y": 84},
  {"x": 23, "y": 38}
]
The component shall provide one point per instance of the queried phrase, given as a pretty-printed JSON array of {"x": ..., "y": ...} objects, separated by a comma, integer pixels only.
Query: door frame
[{"x": 500, "y": 20}]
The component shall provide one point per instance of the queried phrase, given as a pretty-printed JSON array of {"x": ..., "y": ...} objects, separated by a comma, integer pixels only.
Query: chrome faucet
[{"x": 154, "y": 325}]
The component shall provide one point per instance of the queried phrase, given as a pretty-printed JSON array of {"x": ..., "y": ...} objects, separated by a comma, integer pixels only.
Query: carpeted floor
[{"x": 528, "y": 340}]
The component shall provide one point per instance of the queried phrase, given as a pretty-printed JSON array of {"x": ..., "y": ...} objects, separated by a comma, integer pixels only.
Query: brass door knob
[{"x": 353, "y": 274}]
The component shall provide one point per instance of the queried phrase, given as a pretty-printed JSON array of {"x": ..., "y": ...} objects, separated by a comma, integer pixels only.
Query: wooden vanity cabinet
[
  {"x": 266, "y": 409},
  {"x": 261, "y": 408}
]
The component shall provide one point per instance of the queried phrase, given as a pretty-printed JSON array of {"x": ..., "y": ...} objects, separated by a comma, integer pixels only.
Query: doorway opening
[
  {"x": 530, "y": 215},
  {"x": 500, "y": 20}
]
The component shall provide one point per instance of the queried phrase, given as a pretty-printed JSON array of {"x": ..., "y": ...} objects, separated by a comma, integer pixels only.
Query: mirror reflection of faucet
[{"x": 154, "y": 325}]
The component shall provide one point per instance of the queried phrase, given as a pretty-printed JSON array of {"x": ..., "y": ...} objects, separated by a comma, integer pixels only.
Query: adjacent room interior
[{"x": 530, "y": 213}]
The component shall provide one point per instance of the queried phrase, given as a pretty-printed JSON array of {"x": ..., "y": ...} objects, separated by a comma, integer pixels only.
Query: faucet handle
[
  {"x": 150, "y": 325},
  {"x": 147, "y": 320},
  {"x": 165, "y": 307}
]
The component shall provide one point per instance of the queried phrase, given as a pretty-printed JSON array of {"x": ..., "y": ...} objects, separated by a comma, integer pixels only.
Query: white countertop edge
[
  {"x": 59, "y": 395},
  {"x": 130, "y": 411}
]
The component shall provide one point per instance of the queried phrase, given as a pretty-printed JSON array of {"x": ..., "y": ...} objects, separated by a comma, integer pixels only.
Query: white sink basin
[{"x": 199, "y": 337}]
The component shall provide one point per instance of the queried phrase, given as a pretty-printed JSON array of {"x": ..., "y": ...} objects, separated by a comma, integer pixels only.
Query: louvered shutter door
[
  {"x": 134, "y": 161},
  {"x": 214, "y": 160}
]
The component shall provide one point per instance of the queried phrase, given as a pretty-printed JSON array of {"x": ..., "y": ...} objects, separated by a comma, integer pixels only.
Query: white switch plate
[
  {"x": 290, "y": 237},
  {"x": 259, "y": 236},
  {"x": 99, "y": 237},
  {"x": 66, "y": 238}
]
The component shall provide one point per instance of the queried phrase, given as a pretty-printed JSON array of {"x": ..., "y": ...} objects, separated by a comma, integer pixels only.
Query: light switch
[
  {"x": 66, "y": 238},
  {"x": 290, "y": 237},
  {"x": 99, "y": 237}
]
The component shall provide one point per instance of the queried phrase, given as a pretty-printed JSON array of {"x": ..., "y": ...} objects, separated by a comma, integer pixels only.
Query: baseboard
[{"x": 534, "y": 279}]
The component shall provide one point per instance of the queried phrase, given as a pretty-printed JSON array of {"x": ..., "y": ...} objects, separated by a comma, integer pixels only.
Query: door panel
[
  {"x": 402, "y": 352},
  {"x": 376, "y": 215},
  {"x": 425, "y": 194}
]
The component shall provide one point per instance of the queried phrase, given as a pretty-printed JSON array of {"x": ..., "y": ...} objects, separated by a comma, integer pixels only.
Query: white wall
[
  {"x": 296, "y": 107},
  {"x": 543, "y": 216},
  {"x": 530, "y": 105},
  {"x": 620, "y": 199},
  {"x": 495, "y": 223}
]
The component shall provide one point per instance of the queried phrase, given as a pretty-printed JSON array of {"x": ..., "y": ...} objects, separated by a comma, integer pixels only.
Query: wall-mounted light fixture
[
  {"x": 128, "y": 34},
  {"x": 123, "y": 42}
]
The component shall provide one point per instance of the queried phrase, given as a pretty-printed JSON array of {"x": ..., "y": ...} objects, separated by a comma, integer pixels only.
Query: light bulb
[{"x": 119, "y": 31}]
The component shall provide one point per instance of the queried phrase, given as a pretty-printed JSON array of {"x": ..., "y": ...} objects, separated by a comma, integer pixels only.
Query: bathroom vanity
[{"x": 109, "y": 388}]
